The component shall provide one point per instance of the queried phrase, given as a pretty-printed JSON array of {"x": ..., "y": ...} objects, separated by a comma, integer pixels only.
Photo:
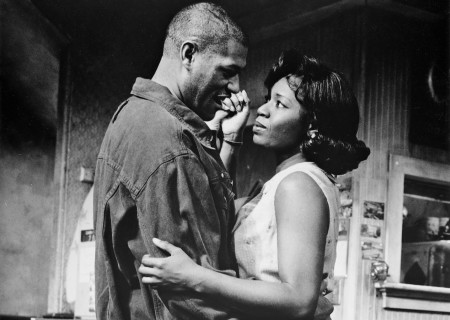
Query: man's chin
[
  {"x": 206, "y": 116},
  {"x": 210, "y": 111}
]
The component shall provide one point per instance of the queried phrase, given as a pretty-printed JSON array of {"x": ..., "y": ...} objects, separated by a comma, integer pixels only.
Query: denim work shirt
[{"x": 158, "y": 175}]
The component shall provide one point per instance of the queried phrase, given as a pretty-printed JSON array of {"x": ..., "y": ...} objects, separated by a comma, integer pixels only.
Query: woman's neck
[{"x": 286, "y": 161}]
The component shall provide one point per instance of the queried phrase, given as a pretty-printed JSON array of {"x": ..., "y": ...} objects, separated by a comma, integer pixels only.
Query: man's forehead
[{"x": 234, "y": 54}]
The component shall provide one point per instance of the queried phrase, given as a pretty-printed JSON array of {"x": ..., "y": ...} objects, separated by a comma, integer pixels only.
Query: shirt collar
[{"x": 150, "y": 90}]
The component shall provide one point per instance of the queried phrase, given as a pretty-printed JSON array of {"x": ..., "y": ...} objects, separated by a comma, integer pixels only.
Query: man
[{"x": 159, "y": 174}]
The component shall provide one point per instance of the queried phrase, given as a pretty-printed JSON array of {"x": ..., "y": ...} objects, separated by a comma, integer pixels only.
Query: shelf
[{"x": 415, "y": 297}]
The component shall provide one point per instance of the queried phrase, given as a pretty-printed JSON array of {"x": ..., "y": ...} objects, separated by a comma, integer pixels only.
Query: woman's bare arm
[{"x": 302, "y": 218}]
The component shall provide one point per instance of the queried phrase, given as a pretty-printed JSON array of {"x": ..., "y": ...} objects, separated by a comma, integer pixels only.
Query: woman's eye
[
  {"x": 266, "y": 98},
  {"x": 280, "y": 105}
]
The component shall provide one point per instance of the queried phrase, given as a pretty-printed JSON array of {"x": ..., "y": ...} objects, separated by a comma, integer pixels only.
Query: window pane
[{"x": 426, "y": 235}]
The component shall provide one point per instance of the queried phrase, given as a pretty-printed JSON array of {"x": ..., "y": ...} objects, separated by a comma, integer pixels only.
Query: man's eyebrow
[{"x": 233, "y": 68}]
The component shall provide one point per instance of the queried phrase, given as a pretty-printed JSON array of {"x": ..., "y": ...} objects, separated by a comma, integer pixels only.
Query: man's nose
[{"x": 233, "y": 84}]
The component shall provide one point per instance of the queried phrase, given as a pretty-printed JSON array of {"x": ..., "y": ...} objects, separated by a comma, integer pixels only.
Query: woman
[{"x": 285, "y": 238}]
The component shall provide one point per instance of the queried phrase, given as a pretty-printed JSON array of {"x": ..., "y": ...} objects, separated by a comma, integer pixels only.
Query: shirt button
[{"x": 222, "y": 175}]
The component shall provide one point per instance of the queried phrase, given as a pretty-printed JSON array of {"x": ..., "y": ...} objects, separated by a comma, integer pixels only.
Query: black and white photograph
[{"x": 224, "y": 159}]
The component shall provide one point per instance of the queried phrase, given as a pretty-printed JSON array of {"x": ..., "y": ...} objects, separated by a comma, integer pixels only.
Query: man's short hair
[{"x": 208, "y": 23}]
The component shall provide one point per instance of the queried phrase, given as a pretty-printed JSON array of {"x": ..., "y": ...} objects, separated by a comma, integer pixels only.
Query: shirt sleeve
[{"x": 177, "y": 205}]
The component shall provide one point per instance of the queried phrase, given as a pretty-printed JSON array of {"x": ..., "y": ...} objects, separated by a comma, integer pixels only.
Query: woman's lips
[{"x": 258, "y": 126}]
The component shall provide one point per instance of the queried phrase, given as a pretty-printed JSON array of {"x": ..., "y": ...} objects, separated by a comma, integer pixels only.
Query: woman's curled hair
[{"x": 332, "y": 107}]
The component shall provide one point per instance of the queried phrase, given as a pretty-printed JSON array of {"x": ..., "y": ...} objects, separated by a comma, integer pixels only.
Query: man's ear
[{"x": 188, "y": 51}]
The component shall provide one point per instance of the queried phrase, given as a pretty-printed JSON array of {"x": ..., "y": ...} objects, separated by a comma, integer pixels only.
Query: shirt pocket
[{"x": 222, "y": 188}]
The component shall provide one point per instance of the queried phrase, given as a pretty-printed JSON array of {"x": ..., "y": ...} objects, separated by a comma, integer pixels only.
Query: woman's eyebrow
[{"x": 283, "y": 96}]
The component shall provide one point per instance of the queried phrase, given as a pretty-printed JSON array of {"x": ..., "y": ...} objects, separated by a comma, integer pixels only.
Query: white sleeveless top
[{"x": 255, "y": 232}]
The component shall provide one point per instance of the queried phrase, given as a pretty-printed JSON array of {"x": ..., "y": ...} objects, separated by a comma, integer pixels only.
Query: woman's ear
[
  {"x": 312, "y": 121},
  {"x": 187, "y": 52},
  {"x": 312, "y": 133},
  {"x": 312, "y": 127}
]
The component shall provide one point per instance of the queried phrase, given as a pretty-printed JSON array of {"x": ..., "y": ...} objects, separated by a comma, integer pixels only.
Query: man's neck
[{"x": 165, "y": 75}]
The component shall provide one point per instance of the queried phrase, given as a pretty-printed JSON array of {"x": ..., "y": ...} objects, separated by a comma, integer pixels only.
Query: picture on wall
[
  {"x": 372, "y": 250},
  {"x": 344, "y": 228},
  {"x": 374, "y": 210},
  {"x": 345, "y": 197},
  {"x": 370, "y": 231}
]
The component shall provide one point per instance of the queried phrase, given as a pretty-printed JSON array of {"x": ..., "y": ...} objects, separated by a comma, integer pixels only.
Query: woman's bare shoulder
[{"x": 298, "y": 182}]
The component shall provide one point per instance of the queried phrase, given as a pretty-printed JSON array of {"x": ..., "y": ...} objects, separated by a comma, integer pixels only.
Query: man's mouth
[{"x": 220, "y": 97}]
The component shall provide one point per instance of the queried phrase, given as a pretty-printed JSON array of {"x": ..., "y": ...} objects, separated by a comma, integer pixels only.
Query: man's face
[{"x": 212, "y": 76}]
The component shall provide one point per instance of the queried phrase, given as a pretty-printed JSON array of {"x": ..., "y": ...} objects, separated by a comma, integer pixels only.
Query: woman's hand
[
  {"x": 216, "y": 123},
  {"x": 233, "y": 115},
  {"x": 239, "y": 107},
  {"x": 176, "y": 272}
]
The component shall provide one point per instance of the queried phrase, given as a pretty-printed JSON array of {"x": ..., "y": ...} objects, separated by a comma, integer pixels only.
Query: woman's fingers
[
  {"x": 149, "y": 271},
  {"x": 228, "y": 105},
  {"x": 153, "y": 281},
  {"x": 245, "y": 97},
  {"x": 235, "y": 100},
  {"x": 166, "y": 246},
  {"x": 152, "y": 262},
  {"x": 150, "y": 275},
  {"x": 173, "y": 272}
]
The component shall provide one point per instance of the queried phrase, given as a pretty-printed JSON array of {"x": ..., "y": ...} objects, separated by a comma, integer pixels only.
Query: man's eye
[{"x": 229, "y": 73}]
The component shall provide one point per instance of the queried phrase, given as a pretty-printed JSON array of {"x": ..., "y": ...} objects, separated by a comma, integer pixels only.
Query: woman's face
[{"x": 281, "y": 121}]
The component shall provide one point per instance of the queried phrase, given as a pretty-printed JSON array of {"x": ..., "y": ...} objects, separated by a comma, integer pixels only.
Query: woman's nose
[{"x": 263, "y": 110}]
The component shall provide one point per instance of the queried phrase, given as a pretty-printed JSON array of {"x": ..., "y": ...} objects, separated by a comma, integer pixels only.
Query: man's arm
[{"x": 177, "y": 205}]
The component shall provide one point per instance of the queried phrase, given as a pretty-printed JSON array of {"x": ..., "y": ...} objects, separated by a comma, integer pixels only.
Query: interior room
[{"x": 67, "y": 65}]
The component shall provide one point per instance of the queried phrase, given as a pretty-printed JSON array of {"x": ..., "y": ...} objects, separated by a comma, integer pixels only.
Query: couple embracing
[{"x": 170, "y": 244}]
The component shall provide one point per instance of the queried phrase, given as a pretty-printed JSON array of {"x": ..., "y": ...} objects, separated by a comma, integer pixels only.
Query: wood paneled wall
[
  {"x": 337, "y": 41},
  {"x": 333, "y": 40},
  {"x": 391, "y": 44},
  {"x": 375, "y": 51}
]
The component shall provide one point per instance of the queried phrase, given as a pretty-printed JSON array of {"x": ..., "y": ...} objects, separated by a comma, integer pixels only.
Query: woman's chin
[{"x": 257, "y": 140}]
